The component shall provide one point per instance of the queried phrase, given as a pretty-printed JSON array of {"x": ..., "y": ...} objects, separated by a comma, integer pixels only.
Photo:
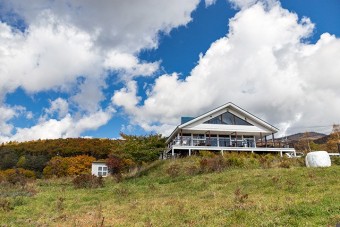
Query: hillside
[
  {"x": 299, "y": 136},
  {"x": 238, "y": 196},
  {"x": 63, "y": 147}
]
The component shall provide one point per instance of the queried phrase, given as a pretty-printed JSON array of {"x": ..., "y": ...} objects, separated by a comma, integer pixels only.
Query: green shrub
[
  {"x": 335, "y": 160},
  {"x": 235, "y": 162}
]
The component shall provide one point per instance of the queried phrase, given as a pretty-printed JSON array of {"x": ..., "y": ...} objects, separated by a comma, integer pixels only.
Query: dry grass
[{"x": 244, "y": 196}]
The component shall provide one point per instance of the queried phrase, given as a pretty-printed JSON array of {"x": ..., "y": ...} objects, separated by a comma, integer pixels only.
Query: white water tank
[{"x": 318, "y": 159}]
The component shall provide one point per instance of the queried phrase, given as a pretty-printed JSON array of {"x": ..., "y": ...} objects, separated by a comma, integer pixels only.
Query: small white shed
[{"x": 99, "y": 168}]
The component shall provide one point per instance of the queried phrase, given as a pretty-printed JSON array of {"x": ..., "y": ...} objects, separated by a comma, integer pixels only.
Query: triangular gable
[
  {"x": 226, "y": 108},
  {"x": 227, "y": 118}
]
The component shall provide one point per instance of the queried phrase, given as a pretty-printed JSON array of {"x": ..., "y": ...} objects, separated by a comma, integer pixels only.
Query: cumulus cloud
[
  {"x": 72, "y": 47},
  {"x": 58, "y": 106},
  {"x": 127, "y": 26},
  {"x": 128, "y": 65},
  {"x": 263, "y": 64},
  {"x": 65, "y": 127},
  {"x": 47, "y": 56},
  {"x": 209, "y": 2}
]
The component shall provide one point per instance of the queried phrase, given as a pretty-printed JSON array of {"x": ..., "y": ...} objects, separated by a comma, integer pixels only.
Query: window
[
  {"x": 102, "y": 171},
  {"x": 227, "y": 119}
]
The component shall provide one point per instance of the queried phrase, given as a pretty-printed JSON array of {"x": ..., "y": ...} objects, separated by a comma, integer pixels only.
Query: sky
[{"x": 86, "y": 68}]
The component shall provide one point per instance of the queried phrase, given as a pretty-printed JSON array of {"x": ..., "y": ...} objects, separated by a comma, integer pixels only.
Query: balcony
[{"x": 213, "y": 142}]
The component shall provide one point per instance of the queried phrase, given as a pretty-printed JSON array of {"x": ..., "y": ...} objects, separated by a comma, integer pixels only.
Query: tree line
[{"x": 73, "y": 156}]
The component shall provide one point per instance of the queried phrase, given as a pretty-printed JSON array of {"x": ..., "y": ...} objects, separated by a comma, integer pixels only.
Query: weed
[
  {"x": 240, "y": 198},
  {"x": 60, "y": 206},
  {"x": 122, "y": 191},
  {"x": 87, "y": 181},
  {"x": 335, "y": 160},
  {"x": 192, "y": 170},
  {"x": 207, "y": 154},
  {"x": 5, "y": 204},
  {"x": 275, "y": 179},
  {"x": 173, "y": 170}
]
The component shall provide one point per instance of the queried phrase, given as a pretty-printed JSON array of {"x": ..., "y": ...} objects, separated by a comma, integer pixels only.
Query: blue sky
[{"x": 136, "y": 67}]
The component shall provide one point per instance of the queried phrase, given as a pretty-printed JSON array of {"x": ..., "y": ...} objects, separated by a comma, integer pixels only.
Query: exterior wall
[{"x": 96, "y": 170}]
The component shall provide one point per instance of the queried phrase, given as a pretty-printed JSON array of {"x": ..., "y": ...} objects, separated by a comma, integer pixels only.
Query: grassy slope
[{"x": 285, "y": 197}]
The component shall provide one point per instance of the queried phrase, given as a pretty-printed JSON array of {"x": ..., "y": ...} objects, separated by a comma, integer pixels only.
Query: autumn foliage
[
  {"x": 17, "y": 175},
  {"x": 68, "y": 166}
]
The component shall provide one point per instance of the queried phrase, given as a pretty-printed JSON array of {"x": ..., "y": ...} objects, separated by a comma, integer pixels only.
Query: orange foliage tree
[{"x": 68, "y": 166}]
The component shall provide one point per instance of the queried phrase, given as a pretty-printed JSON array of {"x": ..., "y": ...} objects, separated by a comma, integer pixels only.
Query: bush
[
  {"x": 68, "y": 166},
  {"x": 335, "y": 160},
  {"x": 33, "y": 162},
  {"x": 192, "y": 170},
  {"x": 266, "y": 161},
  {"x": 87, "y": 181},
  {"x": 234, "y": 161},
  {"x": 5, "y": 204},
  {"x": 8, "y": 160},
  {"x": 207, "y": 154},
  {"x": 212, "y": 164},
  {"x": 16, "y": 176}
]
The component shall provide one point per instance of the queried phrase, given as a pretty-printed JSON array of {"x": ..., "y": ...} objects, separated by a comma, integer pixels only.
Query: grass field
[{"x": 296, "y": 196}]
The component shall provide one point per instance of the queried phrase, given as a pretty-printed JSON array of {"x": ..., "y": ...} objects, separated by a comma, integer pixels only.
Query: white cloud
[
  {"x": 127, "y": 26},
  {"x": 262, "y": 64},
  {"x": 6, "y": 114},
  {"x": 59, "y": 106},
  {"x": 127, "y": 97},
  {"x": 209, "y": 2},
  {"x": 64, "y": 128},
  {"x": 47, "y": 56},
  {"x": 128, "y": 65},
  {"x": 72, "y": 47},
  {"x": 243, "y": 4}
]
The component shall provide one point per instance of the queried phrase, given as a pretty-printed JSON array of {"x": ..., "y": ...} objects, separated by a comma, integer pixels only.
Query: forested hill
[
  {"x": 36, "y": 155},
  {"x": 98, "y": 148}
]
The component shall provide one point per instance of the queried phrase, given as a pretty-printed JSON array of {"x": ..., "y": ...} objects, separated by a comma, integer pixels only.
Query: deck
[{"x": 236, "y": 146}]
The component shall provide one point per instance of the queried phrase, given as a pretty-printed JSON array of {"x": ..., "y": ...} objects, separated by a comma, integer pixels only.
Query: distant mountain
[
  {"x": 322, "y": 140},
  {"x": 310, "y": 135}
]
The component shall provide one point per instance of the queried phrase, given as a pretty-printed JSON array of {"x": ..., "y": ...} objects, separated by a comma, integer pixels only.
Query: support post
[
  {"x": 189, "y": 152},
  {"x": 181, "y": 137},
  {"x": 235, "y": 139},
  {"x": 265, "y": 141},
  {"x": 261, "y": 139},
  {"x": 172, "y": 153},
  {"x": 273, "y": 139},
  {"x": 222, "y": 152}
]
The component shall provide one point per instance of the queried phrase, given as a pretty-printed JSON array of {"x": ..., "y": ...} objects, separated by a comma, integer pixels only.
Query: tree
[{"x": 140, "y": 148}]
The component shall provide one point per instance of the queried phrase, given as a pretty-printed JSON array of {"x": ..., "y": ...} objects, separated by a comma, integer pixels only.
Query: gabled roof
[{"x": 225, "y": 106}]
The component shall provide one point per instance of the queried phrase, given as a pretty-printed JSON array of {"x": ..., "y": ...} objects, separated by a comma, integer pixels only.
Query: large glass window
[
  {"x": 224, "y": 140},
  {"x": 198, "y": 140},
  {"x": 212, "y": 140},
  {"x": 227, "y": 119}
]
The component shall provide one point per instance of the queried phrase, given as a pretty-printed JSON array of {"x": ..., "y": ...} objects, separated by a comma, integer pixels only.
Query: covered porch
[{"x": 191, "y": 142}]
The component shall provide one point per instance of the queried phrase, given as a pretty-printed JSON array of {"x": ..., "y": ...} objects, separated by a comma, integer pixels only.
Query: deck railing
[{"x": 215, "y": 142}]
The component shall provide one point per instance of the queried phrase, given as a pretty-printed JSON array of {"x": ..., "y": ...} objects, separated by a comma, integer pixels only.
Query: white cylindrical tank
[{"x": 318, "y": 159}]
